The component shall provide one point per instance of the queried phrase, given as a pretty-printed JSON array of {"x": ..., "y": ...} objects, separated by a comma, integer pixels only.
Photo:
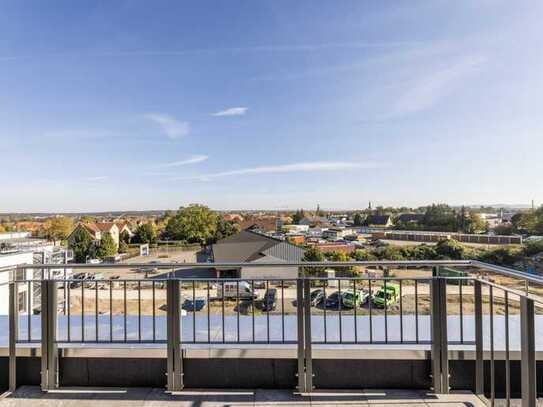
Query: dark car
[
  {"x": 317, "y": 296},
  {"x": 269, "y": 300},
  {"x": 194, "y": 305},
  {"x": 333, "y": 300}
]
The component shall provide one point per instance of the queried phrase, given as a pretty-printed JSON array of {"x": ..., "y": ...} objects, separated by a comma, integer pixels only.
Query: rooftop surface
[{"x": 147, "y": 397}]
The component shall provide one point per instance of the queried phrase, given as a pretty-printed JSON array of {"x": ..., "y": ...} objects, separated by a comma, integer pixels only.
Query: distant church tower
[{"x": 369, "y": 206}]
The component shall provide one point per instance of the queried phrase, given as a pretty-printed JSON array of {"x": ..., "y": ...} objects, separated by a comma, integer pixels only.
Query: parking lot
[{"x": 139, "y": 297}]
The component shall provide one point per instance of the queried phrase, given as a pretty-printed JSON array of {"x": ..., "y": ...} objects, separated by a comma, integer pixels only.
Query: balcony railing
[{"x": 438, "y": 306}]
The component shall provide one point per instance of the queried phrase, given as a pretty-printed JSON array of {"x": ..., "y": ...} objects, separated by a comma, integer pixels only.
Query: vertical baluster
[
  {"x": 324, "y": 282},
  {"x": 194, "y": 310},
  {"x": 69, "y": 305},
  {"x": 125, "y": 312},
  {"x": 416, "y": 311},
  {"x": 339, "y": 307},
  {"x": 283, "y": 310},
  {"x": 83, "y": 311},
  {"x": 507, "y": 360},
  {"x": 461, "y": 302},
  {"x": 96, "y": 310},
  {"x": 386, "y": 309},
  {"x": 208, "y": 315},
  {"x": 29, "y": 311},
  {"x": 355, "y": 304},
  {"x": 223, "y": 337},
  {"x": 253, "y": 307},
  {"x": 492, "y": 365},
  {"x": 267, "y": 316},
  {"x": 237, "y": 308},
  {"x": 370, "y": 307},
  {"x": 139, "y": 311},
  {"x": 154, "y": 309},
  {"x": 401, "y": 312},
  {"x": 111, "y": 310}
]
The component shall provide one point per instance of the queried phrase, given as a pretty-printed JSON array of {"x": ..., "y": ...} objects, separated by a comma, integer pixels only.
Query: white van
[{"x": 231, "y": 290}]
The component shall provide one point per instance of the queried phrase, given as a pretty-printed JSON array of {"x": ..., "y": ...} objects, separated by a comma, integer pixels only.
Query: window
[{"x": 22, "y": 299}]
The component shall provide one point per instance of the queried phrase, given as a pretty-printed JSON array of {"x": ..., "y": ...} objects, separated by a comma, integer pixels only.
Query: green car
[
  {"x": 350, "y": 300},
  {"x": 391, "y": 297}
]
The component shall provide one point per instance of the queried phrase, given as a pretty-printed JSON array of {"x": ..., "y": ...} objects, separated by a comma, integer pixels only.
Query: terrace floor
[{"x": 147, "y": 397}]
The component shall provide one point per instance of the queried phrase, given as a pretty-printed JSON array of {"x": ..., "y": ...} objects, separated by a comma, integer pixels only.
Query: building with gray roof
[{"x": 253, "y": 247}]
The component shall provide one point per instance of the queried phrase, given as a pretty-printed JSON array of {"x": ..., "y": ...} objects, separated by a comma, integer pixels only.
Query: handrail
[{"x": 406, "y": 263}]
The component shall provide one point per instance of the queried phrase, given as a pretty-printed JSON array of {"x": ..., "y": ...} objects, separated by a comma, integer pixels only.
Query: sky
[{"x": 275, "y": 104}]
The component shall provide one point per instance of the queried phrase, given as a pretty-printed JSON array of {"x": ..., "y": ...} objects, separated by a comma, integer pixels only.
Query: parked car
[
  {"x": 194, "y": 305},
  {"x": 350, "y": 300},
  {"x": 317, "y": 297},
  {"x": 388, "y": 298},
  {"x": 259, "y": 284},
  {"x": 270, "y": 299},
  {"x": 82, "y": 277},
  {"x": 333, "y": 300}
]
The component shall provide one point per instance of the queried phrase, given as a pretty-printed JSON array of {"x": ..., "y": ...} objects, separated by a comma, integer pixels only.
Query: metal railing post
[
  {"x": 527, "y": 350},
  {"x": 48, "y": 335},
  {"x": 440, "y": 360},
  {"x": 479, "y": 362},
  {"x": 175, "y": 356},
  {"x": 301, "y": 337},
  {"x": 308, "y": 338},
  {"x": 13, "y": 320}
]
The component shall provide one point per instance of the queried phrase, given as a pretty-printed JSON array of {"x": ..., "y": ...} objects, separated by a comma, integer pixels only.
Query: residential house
[
  {"x": 96, "y": 230},
  {"x": 336, "y": 233},
  {"x": 249, "y": 246},
  {"x": 124, "y": 227},
  {"x": 379, "y": 221}
]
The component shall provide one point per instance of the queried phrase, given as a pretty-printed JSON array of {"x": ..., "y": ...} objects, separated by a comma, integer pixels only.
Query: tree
[
  {"x": 363, "y": 255},
  {"x": 145, "y": 233},
  {"x": 451, "y": 249},
  {"x": 123, "y": 246},
  {"x": 504, "y": 229},
  {"x": 81, "y": 244},
  {"x": 124, "y": 237},
  {"x": 474, "y": 224},
  {"x": 312, "y": 253},
  {"x": 107, "y": 246},
  {"x": 194, "y": 224},
  {"x": 298, "y": 216},
  {"x": 58, "y": 228},
  {"x": 358, "y": 219},
  {"x": 225, "y": 229}
]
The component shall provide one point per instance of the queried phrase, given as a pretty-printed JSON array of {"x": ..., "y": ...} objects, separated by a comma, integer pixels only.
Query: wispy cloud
[
  {"x": 98, "y": 178},
  {"x": 170, "y": 126},
  {"x": 233, "y": 111},
  {"x": 425, "y": 92},
  {"x": 194, "y": 159},
  {"x": 308, "y": 47},
  {"x": 316, "y": 166}
]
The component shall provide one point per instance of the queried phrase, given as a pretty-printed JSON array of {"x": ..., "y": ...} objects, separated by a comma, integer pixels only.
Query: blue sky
[{"x": 269, "y": 104}]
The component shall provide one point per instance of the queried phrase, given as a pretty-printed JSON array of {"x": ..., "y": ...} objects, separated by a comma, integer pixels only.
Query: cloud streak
[
  {"x": 194, "y": 159},
  {"x": 171, "y": 127},
  {"x": 233, "y": 111},
  {"x": 95, "y": 179},
  {"x": 308, "y": 47},
  {"x": 424, "y": 93},
  {"x": 316, "y": 166}
]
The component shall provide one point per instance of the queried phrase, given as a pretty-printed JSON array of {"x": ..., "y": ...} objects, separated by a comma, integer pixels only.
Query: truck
[
  {"x": 385, "y": 298},
  {"x": 231, "y": 290}
]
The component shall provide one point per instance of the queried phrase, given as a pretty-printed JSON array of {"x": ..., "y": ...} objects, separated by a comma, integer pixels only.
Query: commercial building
[{"x": 253, "y": 247}]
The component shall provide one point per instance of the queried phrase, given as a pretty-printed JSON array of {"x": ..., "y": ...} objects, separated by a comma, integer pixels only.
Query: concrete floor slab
[{"x": 32, "y": 396}]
